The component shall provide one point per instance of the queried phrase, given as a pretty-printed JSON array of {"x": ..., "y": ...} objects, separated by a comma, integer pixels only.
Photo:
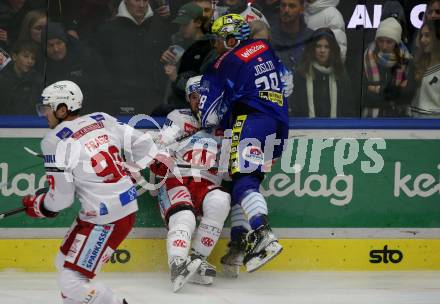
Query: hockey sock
[
  {"x": 181, "y": 226},
  {"x": 238, "y": 218},
  {"x": 255, "y": 207},
  {"x": 216, "y": 206},
  {"x": 206, "y": 237}
]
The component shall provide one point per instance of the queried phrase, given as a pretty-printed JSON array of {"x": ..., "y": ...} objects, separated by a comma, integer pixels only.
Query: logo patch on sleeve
[
  {"x": 250, "y": 51},
  {"x": 64, "y": 133},
  {"x": 97, "y": 117}
]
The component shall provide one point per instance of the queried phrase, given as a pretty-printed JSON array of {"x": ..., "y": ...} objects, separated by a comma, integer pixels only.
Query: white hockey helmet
[
  {"x": 62, "y": 92},
  {"x": 192, "y": 85}
]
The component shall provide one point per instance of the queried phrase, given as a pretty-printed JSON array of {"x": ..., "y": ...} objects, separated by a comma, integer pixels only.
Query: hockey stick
[
  {"x": 12, "y": 212},
  {"x": 30, "y": 151}
]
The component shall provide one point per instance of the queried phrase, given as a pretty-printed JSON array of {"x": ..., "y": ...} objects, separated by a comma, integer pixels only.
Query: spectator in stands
[
  {"x": 433, "y": 10},
  {"x": 130, "y": 45},
  {"x": 195, "y": 22},
  {"x": 426, "y": 102},
  {"x": 270, "y": 9},
  {"x": 386, "y": 68},
  {"x": 20, "y": 85},
  {"x": 290, "y": 33},
  {"x": 68, "y": 59},
  {"x": 259, "y": 30},
  {"x": 244, "y": 8},
  {"x": 31, "y": 28},
  {"x": 323, "y": 13},
  {"x": 12, "y": 13},
  {"x": 393, "y": 8},
  {"x": 321, "y": 85}
]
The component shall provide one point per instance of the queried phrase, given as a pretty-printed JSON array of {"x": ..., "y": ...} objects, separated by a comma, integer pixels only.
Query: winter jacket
[
  {"x": 347, "y": 104},
  {"x": 290, "y": 48},
  {"x": 323, "y": 13},
  {"x": 82, "y": 66},
  {"x": 131, "y": 54},
  {"x": 19, "y": 94}
]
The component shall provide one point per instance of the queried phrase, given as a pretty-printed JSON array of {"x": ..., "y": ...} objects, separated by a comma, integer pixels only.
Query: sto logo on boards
[
  {"x": 121, "y": 256},
  {"x": 386, "y": 255}
]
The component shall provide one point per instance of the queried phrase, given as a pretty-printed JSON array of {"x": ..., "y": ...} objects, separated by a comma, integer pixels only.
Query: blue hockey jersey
[{"x": 251, "y": 74}]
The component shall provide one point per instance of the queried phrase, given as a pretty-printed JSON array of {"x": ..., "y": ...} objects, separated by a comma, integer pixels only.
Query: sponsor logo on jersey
[
  {"x": 189, "y": 128},
  {"x": 206, "y": 241},
  {"x": 64, "y": 133},
  {"x": 253, "y": 154},
  {"x": 103, "y": 209},
  {"x": 94, "y": 246},
  {"x": 87, "y": 129},
  {"x": 180, "y": 243},
  {"x": 128, "y": 196},
  {"x": 251, "y": 51},
  {"x": 272, "y": 96},
  {"x": 75, "y": 248}
]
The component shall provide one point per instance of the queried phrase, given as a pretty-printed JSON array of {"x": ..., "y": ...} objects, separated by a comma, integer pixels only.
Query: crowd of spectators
[{"x": 135, "y": 56}]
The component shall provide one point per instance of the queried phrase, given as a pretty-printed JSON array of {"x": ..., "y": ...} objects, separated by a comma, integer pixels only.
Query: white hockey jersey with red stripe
[
  {"x": 83, "y": 157},
  {"x": 197, "y": 155}
]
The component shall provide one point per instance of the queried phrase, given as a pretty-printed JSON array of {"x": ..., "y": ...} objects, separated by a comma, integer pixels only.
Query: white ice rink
[{"x": 256, "y": 288}]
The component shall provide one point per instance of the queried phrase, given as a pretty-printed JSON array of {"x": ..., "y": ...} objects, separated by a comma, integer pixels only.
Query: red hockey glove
[
  {"x": 162, "y": 163},
  {"x": 34, "y": 205}
]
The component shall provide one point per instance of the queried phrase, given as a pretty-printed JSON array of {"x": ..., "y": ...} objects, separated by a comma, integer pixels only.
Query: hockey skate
[
  {"x": 182, "y": 270},
  {"x": 262, "y": 247},
  {"x": 205, "y": 274},
  {"x": 233, "y": 259}
]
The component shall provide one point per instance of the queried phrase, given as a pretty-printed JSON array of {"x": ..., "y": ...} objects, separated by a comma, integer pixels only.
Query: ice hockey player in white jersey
[
  {"x": 193, "y": 191},
  {"x": 83, "y": 157}
]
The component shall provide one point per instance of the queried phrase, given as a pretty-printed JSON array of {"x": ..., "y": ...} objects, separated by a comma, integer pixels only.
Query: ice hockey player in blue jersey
[{"x": 245, "y": 91}]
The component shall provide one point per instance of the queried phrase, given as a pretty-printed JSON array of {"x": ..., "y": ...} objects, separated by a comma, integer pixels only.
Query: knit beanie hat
[
  {"x": 390, "y": 28},
  {"x": 54, "y": 30}
]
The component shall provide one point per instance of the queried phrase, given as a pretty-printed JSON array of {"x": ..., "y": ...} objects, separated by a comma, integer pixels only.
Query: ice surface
[{"x": 255, "y": 288}]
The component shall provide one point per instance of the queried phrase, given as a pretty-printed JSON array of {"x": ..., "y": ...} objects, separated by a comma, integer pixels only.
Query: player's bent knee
[
  {"x": 216, "y": 206},
  {"x": 184, "y": 218}
]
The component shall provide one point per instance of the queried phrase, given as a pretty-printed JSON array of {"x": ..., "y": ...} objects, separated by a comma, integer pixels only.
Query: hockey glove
[
  {"x": 34, "y": 205},
  {"x": 162, "y": 163}
]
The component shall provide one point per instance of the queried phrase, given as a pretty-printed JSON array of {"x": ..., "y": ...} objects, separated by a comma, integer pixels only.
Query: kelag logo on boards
[
  {"x": 386, "y": 255},
  {"x": 121, "y": 256}
]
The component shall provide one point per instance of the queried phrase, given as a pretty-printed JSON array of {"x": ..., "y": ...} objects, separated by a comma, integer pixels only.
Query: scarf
[
  {"x": 333, "y": 89},
  {"x": 373, "y": 60}
]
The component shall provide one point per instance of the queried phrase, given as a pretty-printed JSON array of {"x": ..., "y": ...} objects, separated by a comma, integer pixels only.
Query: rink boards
[
  {"x": 366, "y": 200},
  {"x": 138, "y": 255}
]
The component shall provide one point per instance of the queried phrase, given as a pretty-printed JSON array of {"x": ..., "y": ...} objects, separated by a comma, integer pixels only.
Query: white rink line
[
  {"x": 282, "y": 233},
  {"x": 297, "y": 133},
  {"x": 255, "y": 288}
]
